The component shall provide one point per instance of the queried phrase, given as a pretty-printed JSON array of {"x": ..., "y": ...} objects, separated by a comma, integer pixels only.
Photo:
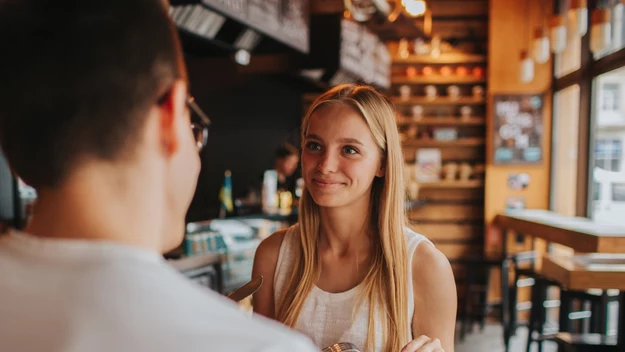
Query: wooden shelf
[
  {"x": 437, "y": 80},
  {"x": 445, "y": 59},
  {"x": 462, "y": 142},
  {"x": 437, "y": 121},
  {"x": 452, "y": 184},
  {"x": 438, "y": 101}
]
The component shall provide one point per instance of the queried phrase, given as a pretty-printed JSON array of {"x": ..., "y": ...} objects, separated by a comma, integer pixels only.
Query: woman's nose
[{"x": 328, "y": 163}]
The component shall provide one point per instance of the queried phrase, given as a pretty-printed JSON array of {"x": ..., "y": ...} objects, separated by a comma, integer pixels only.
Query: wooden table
[
  {"x": 580, "y": 234},
  {"x": 588, "y": 271},
  {"x": 583, "y": 272}
]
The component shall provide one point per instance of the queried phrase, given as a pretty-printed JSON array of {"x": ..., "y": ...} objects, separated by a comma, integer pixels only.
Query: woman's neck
[{"x": 345, "y": 230}]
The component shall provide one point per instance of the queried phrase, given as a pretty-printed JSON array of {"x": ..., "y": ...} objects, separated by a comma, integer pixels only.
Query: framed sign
[{"x": 518, "y": 128}]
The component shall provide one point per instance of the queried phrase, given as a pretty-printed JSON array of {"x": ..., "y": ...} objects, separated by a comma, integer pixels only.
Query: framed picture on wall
[{"x": 518, "y": 128}]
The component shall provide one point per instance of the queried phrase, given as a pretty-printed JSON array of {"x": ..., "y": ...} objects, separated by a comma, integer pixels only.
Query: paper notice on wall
[{"x": 428, "y": 165}]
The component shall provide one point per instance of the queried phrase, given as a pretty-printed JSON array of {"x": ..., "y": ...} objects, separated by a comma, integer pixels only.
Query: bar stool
[
  {"x": 508, "y": 307},
  {"x": 593, "y": 336},
  {"x": 474, "y": 306},
  {"x": 524, "y": 275}
]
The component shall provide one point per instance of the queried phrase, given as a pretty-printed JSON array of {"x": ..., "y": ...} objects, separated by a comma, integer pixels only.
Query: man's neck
[{"x": 86, "y": 209}]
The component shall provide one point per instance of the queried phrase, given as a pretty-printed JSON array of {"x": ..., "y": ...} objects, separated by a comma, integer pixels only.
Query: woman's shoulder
[
  {"x": 413, "y": 238},
  {"x": 270, "y": 246},
  {"x": 426, "y": 258}
]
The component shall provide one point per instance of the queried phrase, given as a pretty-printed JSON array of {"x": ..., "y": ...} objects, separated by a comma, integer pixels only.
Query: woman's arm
[
  {"x": 435, "y": 296},
  {"x": 265, "y": 261}
]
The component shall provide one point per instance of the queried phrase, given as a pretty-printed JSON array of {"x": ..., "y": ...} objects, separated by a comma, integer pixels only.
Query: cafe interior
[{"x": 511, "y": 115}]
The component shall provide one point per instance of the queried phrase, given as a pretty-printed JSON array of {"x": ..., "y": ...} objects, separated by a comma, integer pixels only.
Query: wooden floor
[{"x": 491, "y": 340}]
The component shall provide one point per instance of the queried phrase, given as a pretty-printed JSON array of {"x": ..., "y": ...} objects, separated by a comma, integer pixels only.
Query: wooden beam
[
  {"x": 459, "y": 7},
  {"x": 585, "y": 79},
  {"x": 325, "y": 7},
  {"x": 270, "y": 63}
]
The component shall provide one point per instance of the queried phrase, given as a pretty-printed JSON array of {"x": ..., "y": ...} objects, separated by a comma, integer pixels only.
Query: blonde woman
[{"x": 351, "y": 271}]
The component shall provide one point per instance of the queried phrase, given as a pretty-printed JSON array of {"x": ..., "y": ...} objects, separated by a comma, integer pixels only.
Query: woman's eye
[
  {"x": 350, "y": 150},
  {"x": 313, "y": 146}
]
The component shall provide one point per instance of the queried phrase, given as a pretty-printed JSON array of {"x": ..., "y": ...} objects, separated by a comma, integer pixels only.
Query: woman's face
[{"x": 340, "y": 158}]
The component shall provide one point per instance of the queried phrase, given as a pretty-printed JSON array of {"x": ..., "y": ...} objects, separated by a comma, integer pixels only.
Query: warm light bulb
[
  {"x": 242, "y": 57},
  {"x": 618, "y": 13},
  {"x": 557, "y": 32},
  {"x": 540, "y": 44},
  {"x": 578, "y": 17},
  {"x": 414, "y": 7},
  {"x": 526, "y": 73},
  {"x": 600, "y": 30}
]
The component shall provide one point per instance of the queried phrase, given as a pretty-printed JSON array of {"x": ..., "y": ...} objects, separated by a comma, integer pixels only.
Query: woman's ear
[{"x": 382, "y": 169}]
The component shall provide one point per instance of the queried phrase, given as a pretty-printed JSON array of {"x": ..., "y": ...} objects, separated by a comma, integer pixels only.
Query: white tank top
[{"x": 328, "y": 318}]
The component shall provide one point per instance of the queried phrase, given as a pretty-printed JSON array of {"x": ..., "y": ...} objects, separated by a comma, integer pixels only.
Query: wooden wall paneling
[
  {"x": 450, "y": 232},
  {"x": 448, "y": 154},
  {"x": 452, "y": 216},
  {"x": 473, "y": 195},
  {"x": 461, "y": 28},
  {"x": 451, "y": 212},
  {"x": 507, "y": 38},
  {"x": 455, "y": 251},
  {"x": 509, "y": 33}
]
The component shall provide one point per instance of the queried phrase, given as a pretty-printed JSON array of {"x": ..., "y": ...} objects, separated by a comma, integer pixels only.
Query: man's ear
[{"x": 173, "y": 114}]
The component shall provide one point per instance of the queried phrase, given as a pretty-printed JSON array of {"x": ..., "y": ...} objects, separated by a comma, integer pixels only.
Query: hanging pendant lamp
[
  {"x": 618, "y": 12},
  {"x": 527, "y": 67},
  {"x": 540, "y": 45},
  {"x": 600, "y": 30},
  {"x": 557, "y": 33},
  {"x": 578, "y": 17}
]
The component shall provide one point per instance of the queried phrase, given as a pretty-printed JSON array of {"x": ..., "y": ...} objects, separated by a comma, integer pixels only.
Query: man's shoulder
[
  {"x": 195, "y": 316},
  {"x": 218, "y": 323}
]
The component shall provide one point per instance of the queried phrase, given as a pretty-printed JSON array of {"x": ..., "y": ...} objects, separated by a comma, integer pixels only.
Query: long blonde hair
[{"x": 386, "y": 283}]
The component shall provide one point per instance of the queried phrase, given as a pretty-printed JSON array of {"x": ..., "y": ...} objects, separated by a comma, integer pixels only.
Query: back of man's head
[{"x": 77, "y": 79}]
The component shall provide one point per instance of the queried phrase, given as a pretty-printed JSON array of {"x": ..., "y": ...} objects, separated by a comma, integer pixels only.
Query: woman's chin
[{"x": 329, "y": 201}]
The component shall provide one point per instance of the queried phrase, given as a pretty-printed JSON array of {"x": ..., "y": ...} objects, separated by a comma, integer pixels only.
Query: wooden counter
[
  {"x": 583, "y": 272},
  {"x": 580, "y": 234},
  {"x": 591, "y": 271}
]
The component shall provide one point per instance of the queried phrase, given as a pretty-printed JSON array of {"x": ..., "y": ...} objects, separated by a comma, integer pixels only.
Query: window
[
  {"x": 618, "y": 31},
  {"x": 570, "y": 59},
  {"x": 607, "y": 175},
  {"x": 608, "y": 154},
  {"x": 618, "y": 192},
  {"x": 564, "y": 151},
  {"x": 596, "y": 191},
  {"x": 588, "y": 134},
  {"x": 610, "y": 96}
]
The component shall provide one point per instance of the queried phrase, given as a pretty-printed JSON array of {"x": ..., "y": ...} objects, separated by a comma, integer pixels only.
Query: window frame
[{"x": 585, "y": 77}]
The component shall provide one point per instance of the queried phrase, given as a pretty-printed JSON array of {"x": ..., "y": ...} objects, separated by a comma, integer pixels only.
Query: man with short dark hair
[{"x": 95, "y": 114}]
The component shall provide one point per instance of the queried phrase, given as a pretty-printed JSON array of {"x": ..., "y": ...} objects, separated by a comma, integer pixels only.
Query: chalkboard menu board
[
  {"x": 518, "y": 130},
  {"x": 284, "y": 20},
  {"x": 364, "y": 55}
]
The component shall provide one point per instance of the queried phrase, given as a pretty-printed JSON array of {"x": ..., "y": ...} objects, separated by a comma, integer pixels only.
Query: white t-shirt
[{"x": 88, "y": 296}]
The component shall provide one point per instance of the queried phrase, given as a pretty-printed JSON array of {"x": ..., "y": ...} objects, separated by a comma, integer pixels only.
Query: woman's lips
[{"x": 327, "y": 183}]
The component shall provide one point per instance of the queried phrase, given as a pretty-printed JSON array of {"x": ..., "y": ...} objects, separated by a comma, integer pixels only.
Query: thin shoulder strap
[{"x": 413, "y": 239}]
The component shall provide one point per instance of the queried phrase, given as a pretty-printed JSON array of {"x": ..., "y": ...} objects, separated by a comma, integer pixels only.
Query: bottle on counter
[
  {"x": 270, "y": 191},
  {"x": 299, "y": 188},
  {"x": 225, "y": 195}
]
